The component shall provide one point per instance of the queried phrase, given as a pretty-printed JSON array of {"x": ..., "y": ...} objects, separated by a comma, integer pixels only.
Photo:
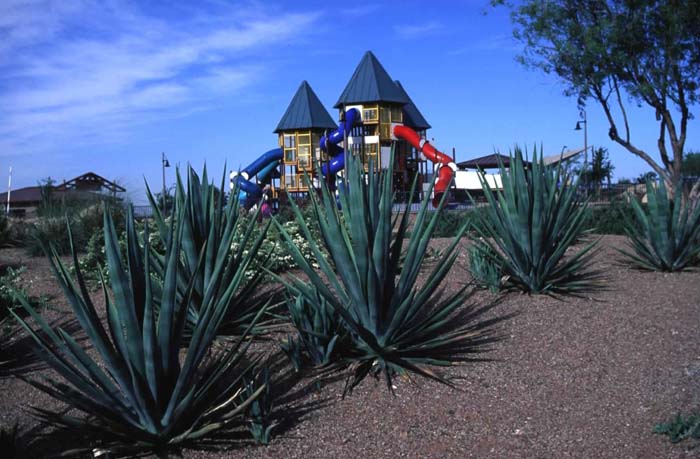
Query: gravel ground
[{"x": 577, "y": 377}]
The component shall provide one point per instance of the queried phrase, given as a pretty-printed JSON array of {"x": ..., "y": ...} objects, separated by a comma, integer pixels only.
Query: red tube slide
[{"x": 446, "y": 167}]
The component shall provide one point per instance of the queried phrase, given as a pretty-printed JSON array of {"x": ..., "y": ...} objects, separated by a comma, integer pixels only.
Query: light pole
[
  {"x": 165, "y": 163},
  {"x": 582, "y": 113}
]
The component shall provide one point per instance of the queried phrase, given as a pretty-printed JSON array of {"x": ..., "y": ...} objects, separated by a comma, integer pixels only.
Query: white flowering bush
[{"x": 274, "y": 251}]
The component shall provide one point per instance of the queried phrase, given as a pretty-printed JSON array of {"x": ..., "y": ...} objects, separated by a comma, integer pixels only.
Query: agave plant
[
  {"x": 395, "y": 325},
  {"x": 139, "y": 389},
  {"x": 17, "y": 356},
  {"x": 531, "y": 223},
  {"x": 210, "y": 225},
  {"x": 666, "y": 235},
  {"x": 485, "y": 268},
  {"x": 321, "y": 335}
]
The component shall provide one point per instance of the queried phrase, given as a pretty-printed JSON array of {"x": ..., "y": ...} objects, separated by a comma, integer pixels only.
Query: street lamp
[
  {"x": 585, "y": 137},
  {"x": 165, "y": 164}
]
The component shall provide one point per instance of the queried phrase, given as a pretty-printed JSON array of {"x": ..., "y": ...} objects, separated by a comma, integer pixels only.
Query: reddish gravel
[{"x": 578, "y": 378}]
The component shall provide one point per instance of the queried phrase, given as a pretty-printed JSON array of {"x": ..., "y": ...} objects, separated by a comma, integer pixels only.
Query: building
[{"x": 86, "y": 187}]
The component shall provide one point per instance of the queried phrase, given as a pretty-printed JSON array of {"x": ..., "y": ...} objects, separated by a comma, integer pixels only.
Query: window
[
  {"x": 304, "y": 142},
  {"x": 369, "y": 114},
  {"x": 371, "y": 150},
  {"x": 396, "y": 115},
  {"x": 289, "y": 141},
  {"x": 315, "y": 145},
  {"x": 304, "y": 156},
  {"x": 385, "y": 131},
  {"x": 290, "y": 177},
  {"x": 384, "y": 115}
]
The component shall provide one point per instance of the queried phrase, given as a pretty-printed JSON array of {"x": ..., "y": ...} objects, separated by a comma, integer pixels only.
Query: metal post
[
  {"x": 585, "y": 143},
  {"x": 9, "y": 191}
]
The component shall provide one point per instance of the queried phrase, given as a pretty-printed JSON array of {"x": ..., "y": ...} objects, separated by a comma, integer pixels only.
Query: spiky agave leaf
[
  {"x": 143, "y": 390},
  {"x": 665, "y": 236},
  {"x": 320, "y": 331},
  {"x": 211, "y": 224},
  {"x": 532, "y": 222},
  {"x": 395, "y": 325}
]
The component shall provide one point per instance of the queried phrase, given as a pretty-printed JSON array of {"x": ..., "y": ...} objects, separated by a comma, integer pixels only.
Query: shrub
[
  {"x": 531, "y": 223},
  {"x": 608, "y": 219},
  {"x": 50, "y": 228},
  {"x": 394, "y": 325},
  {"x": 666, "y": 235},
  {"x": 5, "y": 231},
  {"x": 145, "y": 392},
  {"x": 16, "y": 348},
  {"x": 680, "y": 428}
]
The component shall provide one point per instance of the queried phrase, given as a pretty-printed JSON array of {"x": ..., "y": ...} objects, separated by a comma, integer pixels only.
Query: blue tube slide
[
  {"x": 262, "y": 167},
  {"x": 337, "y": 163}
]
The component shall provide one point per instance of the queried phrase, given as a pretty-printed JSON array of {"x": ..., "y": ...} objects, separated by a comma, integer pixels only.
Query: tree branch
[
  {"x": 614, "y": 136},
  {"x": 622, "y": 109},
  {"x": 662, "y": 145}
]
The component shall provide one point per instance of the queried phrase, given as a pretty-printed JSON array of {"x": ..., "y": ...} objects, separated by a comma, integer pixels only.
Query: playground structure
[{"x": 375, "y": 113}]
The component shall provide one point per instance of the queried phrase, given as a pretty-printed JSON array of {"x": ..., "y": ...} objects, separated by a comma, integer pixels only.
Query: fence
[{"x": 598, "y": 194}]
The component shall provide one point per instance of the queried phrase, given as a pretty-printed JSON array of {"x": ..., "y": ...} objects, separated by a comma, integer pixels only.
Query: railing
[{"x": 142, "y": 212}]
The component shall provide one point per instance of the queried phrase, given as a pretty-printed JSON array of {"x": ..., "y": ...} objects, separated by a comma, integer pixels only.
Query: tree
[
  {"x": 691, "y": 165},
  {"x": 611, "y": 51},
  {"x": 600, "y": 168}
]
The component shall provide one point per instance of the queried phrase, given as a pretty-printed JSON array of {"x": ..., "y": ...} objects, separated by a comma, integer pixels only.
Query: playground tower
[
  {"x": 299, "y": 131},
  {"x": 370, "y": 107}
]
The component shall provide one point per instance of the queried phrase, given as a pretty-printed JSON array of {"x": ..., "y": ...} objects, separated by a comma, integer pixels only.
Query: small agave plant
[
  {"x": 321, "y": 335},
  {"x": 396, "y": 325},
  {"x": 666, "y": 235},
  {"x": 139, "y": 389},
  {"x": 530, "y": 224}
]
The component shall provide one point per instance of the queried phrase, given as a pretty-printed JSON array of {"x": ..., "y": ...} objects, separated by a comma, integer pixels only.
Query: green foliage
[
  {"x": 599, "y": 169},
  {"x": 321, "y": 335},
  {"x": 608, "y": 219},
  {"x": 665, "y": 235},
  {"x": 606, "y": 50},
  {"x": 529, "y": 225},
  {"x": 680, "y": 428},
  {"x": 211, "y": 226},
  {"x": 16, "y": 356},
  {"x": 5, "y": 233},
  {"x": 485, "y": 268},
  {"x": 85, "y": 222},
  {"x": 139, "y": 389},
  {"x": 450, "y": 223},
  {"x": 395, "y": 325},
  {"x": 259, "y": 412},
  {"x": 691, "y": 164}
]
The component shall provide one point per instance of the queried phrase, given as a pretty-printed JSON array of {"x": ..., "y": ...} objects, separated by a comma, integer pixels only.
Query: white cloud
[
  {"x": 409, "y": 31},
  {"x": 79, "y": 71}
]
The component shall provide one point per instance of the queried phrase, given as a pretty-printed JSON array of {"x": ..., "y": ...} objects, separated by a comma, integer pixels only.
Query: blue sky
[{"x": 107, "y": 86}]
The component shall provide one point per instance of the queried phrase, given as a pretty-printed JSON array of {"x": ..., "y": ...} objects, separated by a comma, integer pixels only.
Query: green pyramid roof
[
  {"x": 370, "y": 83},
  {"x": 412, "y": 117},
  {"x": 305, "y": 111}
]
